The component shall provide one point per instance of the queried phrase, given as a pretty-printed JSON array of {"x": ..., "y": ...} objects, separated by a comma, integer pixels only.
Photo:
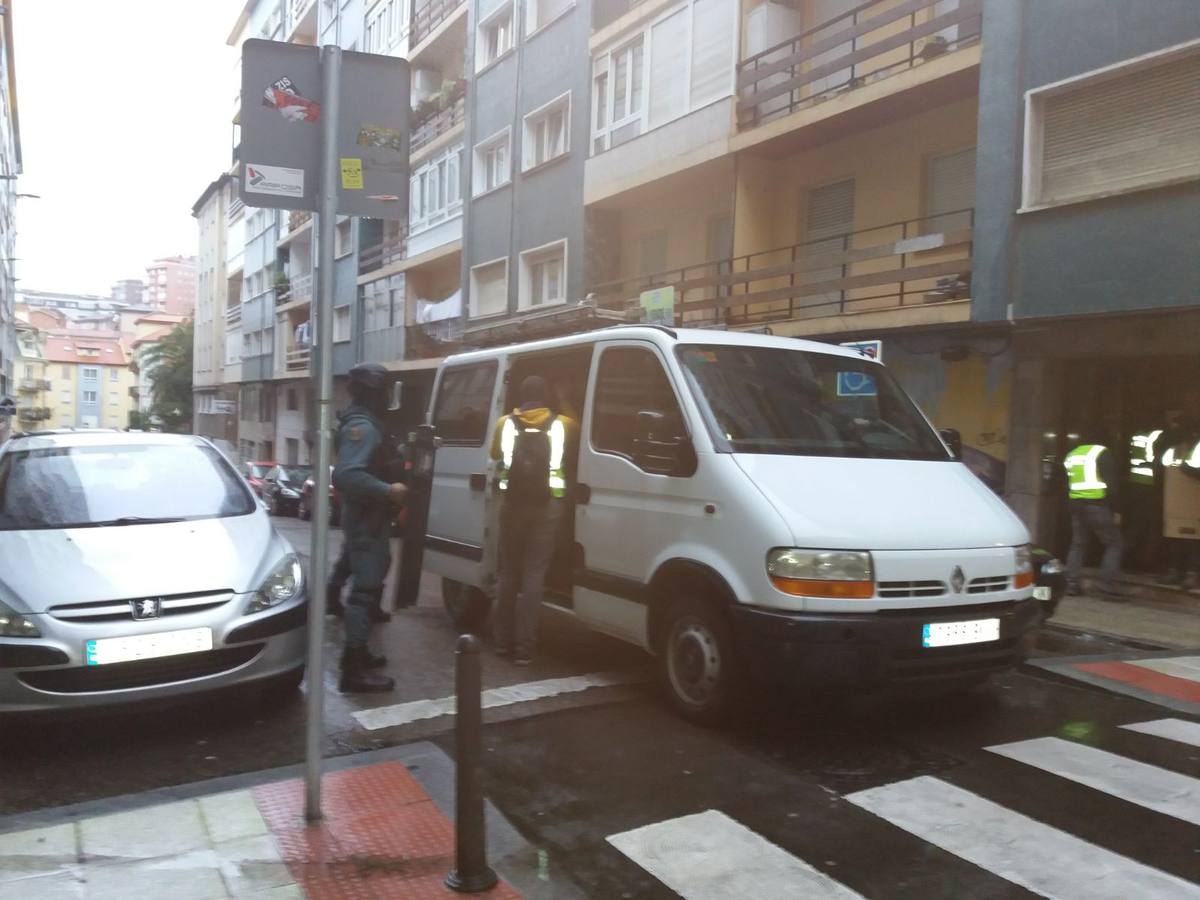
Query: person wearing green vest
[{"x": 1092, "y": 486}]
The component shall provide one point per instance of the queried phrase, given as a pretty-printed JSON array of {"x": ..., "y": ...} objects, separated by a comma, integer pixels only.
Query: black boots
[{"x": 357, "y": 679}]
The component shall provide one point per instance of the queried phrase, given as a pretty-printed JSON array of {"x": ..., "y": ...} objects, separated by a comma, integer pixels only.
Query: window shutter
[
  {"x": 491, "y": 289},
  {"x": 1122, "y": 132},
  {"x": 951, "y": 186},
  {"x": 712, "y": 51},
  {"x": 668, "y": 68},
  {"x": 830, "y": 210}
]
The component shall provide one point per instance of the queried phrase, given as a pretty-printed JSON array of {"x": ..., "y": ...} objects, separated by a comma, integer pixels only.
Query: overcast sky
[{"x": 125, "y": 118}]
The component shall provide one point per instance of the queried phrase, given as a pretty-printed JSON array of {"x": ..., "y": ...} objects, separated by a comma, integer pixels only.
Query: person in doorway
[
  {"x": 369, "y": 502},
  {"x": 1178, "y": 467},
  {"x": 533, "y": 446},
  {"x": 1092, "y": 486}
]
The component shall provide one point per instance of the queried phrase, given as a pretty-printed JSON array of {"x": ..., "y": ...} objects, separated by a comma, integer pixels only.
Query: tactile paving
[{"x": 381, "y": 836}]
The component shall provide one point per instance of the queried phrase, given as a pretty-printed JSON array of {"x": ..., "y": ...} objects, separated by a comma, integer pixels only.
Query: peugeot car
[{"x": 138, "y": 567}]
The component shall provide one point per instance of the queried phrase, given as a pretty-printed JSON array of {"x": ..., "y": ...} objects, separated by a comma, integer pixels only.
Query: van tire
[
  {"x": 698, "y": 662},
  {"x": 467, "y": 606}
]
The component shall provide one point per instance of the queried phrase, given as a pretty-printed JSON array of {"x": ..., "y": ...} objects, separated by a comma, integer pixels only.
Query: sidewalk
[
  {"x": 382, "y": 836},
  {"x": 1156, "y": 625}
]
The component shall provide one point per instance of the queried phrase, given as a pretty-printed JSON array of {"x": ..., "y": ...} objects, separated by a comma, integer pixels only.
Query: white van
[{"x": 743, "y": 505}]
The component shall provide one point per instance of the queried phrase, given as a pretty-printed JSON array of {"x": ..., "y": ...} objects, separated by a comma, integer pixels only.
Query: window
[
  {"x": 435, "y": 191},
  {"x": 113, "y": 400},
  {"x": 90, "y": 374},
  {"x": 543, "y": 276},
  {"x": 1124, "y": 128},
  {"x": 29, "y": 371},
  {"x": 343, "y": 240},
  {"x": 90, "y": 397},
  {"x": 292, "y": 405},
  {"x": 293, "y": 452},
  {"x": 114, "y": 375},
  {"x": 341, "y": 324},
  {"x": 540, "y": 13},
  {"x": 489, "y": 289},
  {"x": 464, "y": 401},
  {"x": 631, "y": 380},
  {"x": 547, "y": 132},
  {"x": 64, "y": 396},
  {"x": 66, "y": 372},
  {"x": 495, "y": 37},
  {"x": 949, "y": 191},
  {"x": 492, "y": 162}
]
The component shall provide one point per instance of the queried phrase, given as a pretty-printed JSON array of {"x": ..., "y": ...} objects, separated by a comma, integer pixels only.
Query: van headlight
[
  {"x": 836, "y": 574},
  {"x": 283, "y": 584},
  {"x": 1023, "y": 563},
  {"x": 14, "y": 624}
]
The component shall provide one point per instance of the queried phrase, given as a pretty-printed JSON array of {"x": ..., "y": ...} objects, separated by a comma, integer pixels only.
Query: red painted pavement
[
  {"x": 1146, "y": 679},
  {"x": 382, "y": 837}
]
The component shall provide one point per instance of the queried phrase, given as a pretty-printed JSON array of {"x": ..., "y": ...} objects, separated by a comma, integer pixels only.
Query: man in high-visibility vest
[
  {"x": 1179, "y": 470},
  {"x": 1092, "y": 485},
  {"x": 534, "y": 448}
]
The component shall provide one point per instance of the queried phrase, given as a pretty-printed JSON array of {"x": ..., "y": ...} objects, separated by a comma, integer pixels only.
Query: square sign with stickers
[
  {"x": 860, "y": 384},
  {"x": 282, "y": 117}
]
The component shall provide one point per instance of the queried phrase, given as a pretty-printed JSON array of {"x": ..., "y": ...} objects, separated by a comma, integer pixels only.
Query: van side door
[{"x": 461, "y": 413}]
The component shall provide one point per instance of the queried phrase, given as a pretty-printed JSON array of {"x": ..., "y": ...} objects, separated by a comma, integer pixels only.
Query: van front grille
[
  {"x": 898, "y": 590},
  {"x": 990, "y": 585}
]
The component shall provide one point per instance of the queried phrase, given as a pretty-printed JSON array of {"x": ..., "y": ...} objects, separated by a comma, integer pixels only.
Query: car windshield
[
  {"x": 76, "y": 487},
  {"x": 779, "y": 401},
  {"x": 294, "y": 474},
  {"x": 257, "y": 471}
]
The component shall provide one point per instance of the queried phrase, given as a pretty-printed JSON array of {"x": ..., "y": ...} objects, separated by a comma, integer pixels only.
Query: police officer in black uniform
[{"x": 370, "y": 499}]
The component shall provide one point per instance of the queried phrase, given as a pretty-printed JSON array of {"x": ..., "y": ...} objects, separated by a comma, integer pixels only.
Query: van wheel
[
  {"x": 698, "y": 663},
  {"x": 467, "y": 606}
]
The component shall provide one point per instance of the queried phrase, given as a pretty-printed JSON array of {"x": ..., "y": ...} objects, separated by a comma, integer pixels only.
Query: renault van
[{"x": 741, "y": 505}]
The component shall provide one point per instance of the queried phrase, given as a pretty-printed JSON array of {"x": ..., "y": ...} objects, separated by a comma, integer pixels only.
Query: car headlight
[
  {"x": 1053, "y": 566},
  {"x": 283, "y": 584},
  {"x": 1023, "y": 566},
  {"x": 289, "y": 493},
  {"x": 837, "y": 574},
  {"x": 14, "y": 624}
]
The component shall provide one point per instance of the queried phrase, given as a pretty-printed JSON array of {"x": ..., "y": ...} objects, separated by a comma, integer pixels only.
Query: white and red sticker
[{"x": 284, "y": 96}]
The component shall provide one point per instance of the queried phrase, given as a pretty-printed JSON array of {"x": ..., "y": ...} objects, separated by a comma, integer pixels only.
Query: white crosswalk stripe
[
  {"x": 1186, "y": 667},
  {"x": 709, "y": 856},
  {"x": 1024, "y": 851},
  {"x": 1149, "y": 786},
  {"x": 1171, "y": 729}
]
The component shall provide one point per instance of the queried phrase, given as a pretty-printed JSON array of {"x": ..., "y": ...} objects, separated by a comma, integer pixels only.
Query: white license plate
[
  {"x": 147, "y": 646},
  {"x": 1041, "y": 592},
  {"x": 949, "y": 634}
]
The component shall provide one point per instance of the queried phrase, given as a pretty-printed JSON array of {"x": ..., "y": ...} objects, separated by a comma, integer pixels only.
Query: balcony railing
[
  {"x": 34, "y": 385},
  {"x": 233, "y": 315},
  {"x": 296, "y": 358},
  {"x": 438, "y": 122},
  {"x": 903, "y": 264},
  {"x": 300, "y": 288},
  {"x": 297, "y": 218},
  {"x": 429, "y": 342},
  {"x": 429, "y": 16},
  {"x": 390, "y": 250},
  {"x": 870, "y": 42},
  {"x": 33, "y": 413}
]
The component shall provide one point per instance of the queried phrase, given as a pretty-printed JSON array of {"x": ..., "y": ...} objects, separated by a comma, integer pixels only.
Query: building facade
[
  {"x": 214, "y": 397},
  {"x": 171, "y": 285},
  {"x": 10, "y": 168},
  {"x": 129, "y": 291},
  {"x": 88, "y": 382}
]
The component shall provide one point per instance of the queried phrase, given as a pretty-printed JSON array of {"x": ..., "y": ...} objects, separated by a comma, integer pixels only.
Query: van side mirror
[
  {"x": 659, "y": 453},
  {"x": 953, "y": 440}
]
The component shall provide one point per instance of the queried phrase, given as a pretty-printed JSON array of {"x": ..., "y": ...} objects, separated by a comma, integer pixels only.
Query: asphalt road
[{"x": 879, "y": 797}]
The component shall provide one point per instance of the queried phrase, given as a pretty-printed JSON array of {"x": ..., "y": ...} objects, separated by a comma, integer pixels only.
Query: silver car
[{"x": 138, "y": 567}]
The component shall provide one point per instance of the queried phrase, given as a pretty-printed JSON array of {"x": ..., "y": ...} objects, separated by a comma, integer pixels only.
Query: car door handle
[
  {"x": 478, "y": 481},
  {"x": 583, "y": 494}
]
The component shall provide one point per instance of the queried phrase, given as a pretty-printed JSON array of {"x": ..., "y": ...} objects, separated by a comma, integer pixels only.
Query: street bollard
[{"x": 471, "y": 873}]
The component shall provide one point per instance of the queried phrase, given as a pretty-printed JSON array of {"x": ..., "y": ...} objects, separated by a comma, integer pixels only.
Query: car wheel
[
  {"x": 698, "y": 662},
  {"x": 269, "y": 500},
  {"x": 467, "y": 606}
]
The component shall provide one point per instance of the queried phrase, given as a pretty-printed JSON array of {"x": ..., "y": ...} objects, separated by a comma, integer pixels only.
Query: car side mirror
[
  {"x": 953, "y": 440},
  {"x": 659, "y": 453}
]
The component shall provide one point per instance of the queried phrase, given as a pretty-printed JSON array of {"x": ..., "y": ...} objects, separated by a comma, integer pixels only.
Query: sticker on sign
[{"x": 279, "y": 181}]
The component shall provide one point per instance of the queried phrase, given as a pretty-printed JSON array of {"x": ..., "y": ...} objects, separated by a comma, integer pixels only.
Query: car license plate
[
  {"x": 147, "y": 646},
  {"x": 1041, "y": 592},
  {"x": 949, "y": 634}
]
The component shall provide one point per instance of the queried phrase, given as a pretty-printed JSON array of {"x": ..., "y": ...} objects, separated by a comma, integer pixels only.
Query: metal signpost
[{"x": 327, "y": 131}]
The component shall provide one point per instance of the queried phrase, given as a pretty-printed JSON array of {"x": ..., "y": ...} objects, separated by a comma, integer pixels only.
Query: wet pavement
[{"x": 808, "y": 787}]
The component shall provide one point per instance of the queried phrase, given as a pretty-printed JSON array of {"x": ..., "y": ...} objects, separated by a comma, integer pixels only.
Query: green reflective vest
[{"x": 1083, "y": 473}]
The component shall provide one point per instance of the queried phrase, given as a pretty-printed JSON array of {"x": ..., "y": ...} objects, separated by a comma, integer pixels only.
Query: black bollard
[{"x": 471, "y": 873}]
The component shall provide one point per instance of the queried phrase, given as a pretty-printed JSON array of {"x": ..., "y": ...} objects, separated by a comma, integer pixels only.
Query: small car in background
[
  {"x": 281, "y": 489},
  {"x": 136, "y": 568},
  {"x": 254, "y": 472},
  {"x": 306, "y": 502}
]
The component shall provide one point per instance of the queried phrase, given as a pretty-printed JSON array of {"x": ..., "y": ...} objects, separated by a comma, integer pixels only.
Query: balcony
[
  {"x": 302, "y": 22},
  {"x": 34, "y": 385},
  {"x": 439, "y": 115},
  {"x": 871, "y": 42},
  {"x": 388, "y": 251},
  {"x": 298, "y": 218},
  {"x": 294, "y": 290},
  {"x": 905, "y": 265},
  {"x": 430, "y": 342},
  {"x": 233, "y": 315},
  {"x": 295, "y": 359},
  {"x": 428, "y": 16},
  {"x": 33, "y": 413}
]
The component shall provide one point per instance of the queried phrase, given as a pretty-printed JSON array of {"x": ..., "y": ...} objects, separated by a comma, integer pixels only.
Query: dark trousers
[
  {"x": 369, "y": 558},
  {"x": 1088, "y": 520},
  {"x": 1183, "y": 557},
  {"x": 528, "y": 538}
]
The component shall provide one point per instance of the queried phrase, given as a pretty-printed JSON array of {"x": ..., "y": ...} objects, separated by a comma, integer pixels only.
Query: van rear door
[{"x": 462, "y": 412}]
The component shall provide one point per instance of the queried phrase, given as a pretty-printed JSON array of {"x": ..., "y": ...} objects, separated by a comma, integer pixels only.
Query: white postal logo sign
[{"x": 279, "y": 181}]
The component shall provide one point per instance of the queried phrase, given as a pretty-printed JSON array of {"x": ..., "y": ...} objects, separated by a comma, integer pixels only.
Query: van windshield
[{"x": 777, "y": 401}]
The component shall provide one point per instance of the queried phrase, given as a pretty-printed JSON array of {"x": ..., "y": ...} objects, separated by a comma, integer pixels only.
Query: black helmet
[{"x": 369, "y": 377}]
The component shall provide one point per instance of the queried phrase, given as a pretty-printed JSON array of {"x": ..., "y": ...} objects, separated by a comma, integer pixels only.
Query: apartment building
[
  {"x": 88, "y": 382},
  {"x": 214, "y": 399},
  {"x": 32, "y": 386},
  {"x": 171, "y": 285},
  {"x": 10, "y": 167}
]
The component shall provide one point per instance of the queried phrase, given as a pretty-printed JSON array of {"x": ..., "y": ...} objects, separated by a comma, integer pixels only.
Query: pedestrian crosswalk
[{"x": 710, "y": 855}]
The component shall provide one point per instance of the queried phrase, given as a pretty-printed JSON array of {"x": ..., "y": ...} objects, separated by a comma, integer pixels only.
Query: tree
[{"x": 168, "y": 366}]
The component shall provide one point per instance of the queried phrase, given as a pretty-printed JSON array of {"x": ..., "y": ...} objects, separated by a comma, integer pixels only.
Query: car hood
[
  {"x": 883, "y": 504},
  {"x": 44, "y": 568}
]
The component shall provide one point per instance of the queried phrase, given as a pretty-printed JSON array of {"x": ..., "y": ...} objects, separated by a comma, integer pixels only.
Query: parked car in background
[
  {"x": 138, "y": 567},
  {"x": 254, "y": 472},
  {"x": 305, "y": 504},
  {"x": 281, "y": 489}
]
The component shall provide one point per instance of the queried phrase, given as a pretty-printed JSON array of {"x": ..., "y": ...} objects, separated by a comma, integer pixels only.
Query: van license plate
[
  {"x": 147, "y": 646},
  {"x": 949, "y": 634}
]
